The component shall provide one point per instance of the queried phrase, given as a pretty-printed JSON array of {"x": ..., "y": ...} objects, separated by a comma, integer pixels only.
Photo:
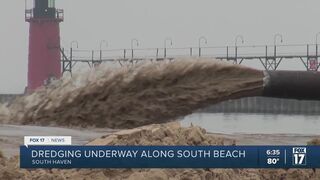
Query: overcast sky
[{"x": 150, "y": 21}]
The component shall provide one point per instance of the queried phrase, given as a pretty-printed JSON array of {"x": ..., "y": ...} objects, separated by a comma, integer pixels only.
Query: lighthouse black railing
[{"x": 29, "y": 15}]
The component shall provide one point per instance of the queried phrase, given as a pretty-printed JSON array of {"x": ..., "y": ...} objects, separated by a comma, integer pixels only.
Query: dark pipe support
[{"x": 302, "y": 85}]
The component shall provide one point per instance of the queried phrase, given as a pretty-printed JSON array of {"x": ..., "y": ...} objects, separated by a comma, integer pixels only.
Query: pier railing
[{"x": 269, "y": 56}]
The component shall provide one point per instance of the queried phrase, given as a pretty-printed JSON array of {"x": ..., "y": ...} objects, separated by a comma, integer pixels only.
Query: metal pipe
[
  {"x": 236, "y": 46},
  {"x": 237, "y": 38},
  {"x": 227, "y": 53},
  {"x": 266, "y": 61},
  {"x": 157, "y": 53},
  {"x": 71, "y": 48},
  {"x": 301, "y": 85},
  {"x": 101, "y": 43},
  {"x": 275, "y": 39},
  {"x": 275, "y": 43},
  {"x": 74, "y": 42},
  {"x": 205, "y": 41},
  {"x": 92, "y": 56},
  {"x": 317, "y": 37},
  {"x": 132, "y": 43},
  {"x": 165, "y": 46}
]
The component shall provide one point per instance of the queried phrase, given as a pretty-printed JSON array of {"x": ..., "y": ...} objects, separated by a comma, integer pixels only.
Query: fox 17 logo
[{"x": 299, "y": 155}]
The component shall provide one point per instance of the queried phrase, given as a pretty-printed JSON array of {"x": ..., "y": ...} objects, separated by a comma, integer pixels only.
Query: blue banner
[{"x": 66, "y": 157}]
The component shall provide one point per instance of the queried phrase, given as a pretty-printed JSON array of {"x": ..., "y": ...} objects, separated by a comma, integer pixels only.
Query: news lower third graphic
[
  {"x": 47, "y": 140},
  {"x": 57, "y": 152}
]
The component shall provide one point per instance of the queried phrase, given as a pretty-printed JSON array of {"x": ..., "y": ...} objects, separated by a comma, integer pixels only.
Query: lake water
[{"x": 255, "y": 123}]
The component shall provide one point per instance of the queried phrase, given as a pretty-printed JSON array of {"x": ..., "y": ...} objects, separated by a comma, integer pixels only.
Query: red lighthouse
[{"x": 44, "y": 43}]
